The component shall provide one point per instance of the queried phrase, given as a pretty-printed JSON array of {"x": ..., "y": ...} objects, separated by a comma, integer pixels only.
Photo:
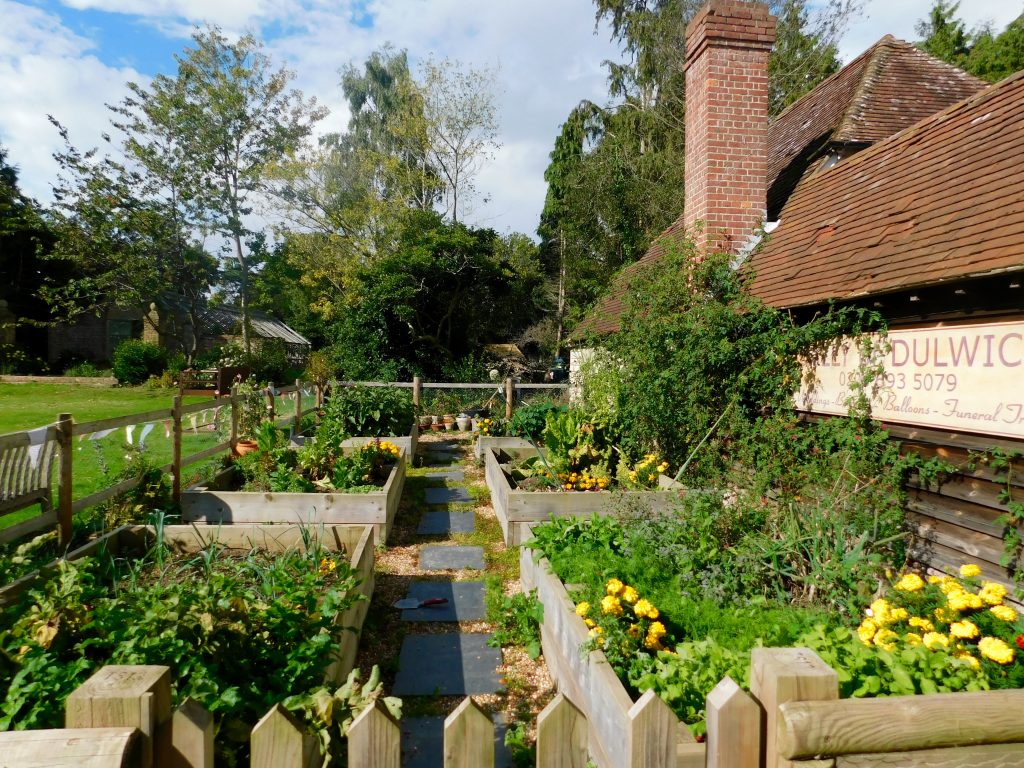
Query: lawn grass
[
  {"x": 26, "y": 406},
  {"x": 97, "y": 463}
]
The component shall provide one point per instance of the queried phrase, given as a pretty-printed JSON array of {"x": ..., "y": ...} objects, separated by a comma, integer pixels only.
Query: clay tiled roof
[
  {"x": 889, "y": 87},
  {"x": 943, "y": 199}
]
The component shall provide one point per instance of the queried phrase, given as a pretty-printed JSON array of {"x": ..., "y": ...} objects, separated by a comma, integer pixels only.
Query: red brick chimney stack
[{"x": 727, "y": 47}]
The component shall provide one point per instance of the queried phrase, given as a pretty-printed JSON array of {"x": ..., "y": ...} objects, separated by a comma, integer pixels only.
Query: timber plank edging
[
  {"x": 589, "y": 682},
  {"x": 212, "y": 505}
]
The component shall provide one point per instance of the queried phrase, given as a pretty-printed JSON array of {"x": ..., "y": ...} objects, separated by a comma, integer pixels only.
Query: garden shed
[{"x": 895, "y": 185}]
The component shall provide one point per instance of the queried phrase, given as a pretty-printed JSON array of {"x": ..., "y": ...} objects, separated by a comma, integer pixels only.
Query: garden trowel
[{"x": 411, "y": 603}]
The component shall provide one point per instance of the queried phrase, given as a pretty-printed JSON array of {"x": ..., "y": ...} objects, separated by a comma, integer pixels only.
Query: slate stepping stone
[
  {"x": 447, "y": 495},
  {"x": 451, "y": 558},
  {"x": 447, "y": 665},
  {"x": 465, "y": 601},
  {"x": 448, "y": 476},
  {"x": 423, "y": 742},
  {"x": 435, "y": 523}
]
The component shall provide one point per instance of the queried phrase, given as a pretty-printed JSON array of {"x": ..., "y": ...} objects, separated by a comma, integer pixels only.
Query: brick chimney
[{"x": 727, "y": 47}]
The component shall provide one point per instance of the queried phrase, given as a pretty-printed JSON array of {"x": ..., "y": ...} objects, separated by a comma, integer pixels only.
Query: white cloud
[{"x": 47, "y": 69}]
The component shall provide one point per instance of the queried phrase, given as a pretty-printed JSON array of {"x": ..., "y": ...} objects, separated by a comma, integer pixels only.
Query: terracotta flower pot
[
  {"x": 437, "y": 427},
  {"x": 243, "y": 447}
]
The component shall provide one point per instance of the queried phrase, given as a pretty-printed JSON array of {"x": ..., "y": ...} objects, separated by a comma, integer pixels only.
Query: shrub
[
  {"x": 370, "y": 411},
  {"x": 529, "y": 420},
  {"x": 86, "y": 369},
  {"x": 136, "y": 360},
  {"x": 269, "y": 360}
]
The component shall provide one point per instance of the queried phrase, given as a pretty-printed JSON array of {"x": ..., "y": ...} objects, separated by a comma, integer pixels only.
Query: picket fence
[{"x": 791, "y": 719}]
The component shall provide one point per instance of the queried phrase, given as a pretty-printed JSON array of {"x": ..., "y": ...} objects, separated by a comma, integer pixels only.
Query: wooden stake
[
  {"x": 734, "y": 728},
  {"x": 234, "y": 417},
  {"x": 65, "y": 423},
  {"x": 417, "y": 390},
  {"x": 561, "y": 735},
  {"x": 653, "y": 729},
  {"x": 374, "y": 739},
  {"x": 510, "y": 392},
  {"x": 278, "y": 741},
  {"x": 468, "y": 737},
  {"x": 298, "y": 407}
]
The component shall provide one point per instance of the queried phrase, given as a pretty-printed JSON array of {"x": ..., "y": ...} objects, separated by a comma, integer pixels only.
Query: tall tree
[
  {"x": 461, "y": 126},
  {"x": 983, "y": 52},
  {"x": 236, "y": 116}
]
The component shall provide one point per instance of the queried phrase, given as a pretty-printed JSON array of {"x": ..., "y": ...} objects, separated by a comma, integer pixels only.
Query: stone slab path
[
  {"x": 447, "y": 665},
  {"x": 451, "y": 558},
  {"x": 436, "y": 523},
  {"x": 423, "y": 743},
  {"x": 448, "y": 496},
  {"x": 449, "y": 475},
  {"x": 465, "y": 601}
]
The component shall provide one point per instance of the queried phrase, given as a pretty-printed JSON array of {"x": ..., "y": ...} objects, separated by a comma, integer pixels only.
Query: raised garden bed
[
  {"x": 273, "y": 591},
  {"x": 484, "y": 442},
  {"x": 588, "y": 680},
  {"x": 409, "y": 443},
  {"x": 518, "y": 510},
  {"x": 217, "y": 502}
]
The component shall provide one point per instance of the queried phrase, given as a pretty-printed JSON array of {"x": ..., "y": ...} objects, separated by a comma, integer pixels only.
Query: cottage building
[{"x": 897, "y": 185}]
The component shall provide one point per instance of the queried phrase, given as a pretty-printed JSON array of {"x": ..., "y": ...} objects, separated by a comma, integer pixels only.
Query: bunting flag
[
  {"x": 101, "y": 434},
  {"x": 142, "y": 435},
  {"x": 167, "y": 428},
  {"x": 216, "y": 416},
  {"x": 205, "y": 414},
  {"x": 192, "y": 422},
  {"x": 307, "y": 392},
  {"x": 81, "y": 437},
  {"x": 129, "y": 432},
  {"x": 36, "y": 438}
]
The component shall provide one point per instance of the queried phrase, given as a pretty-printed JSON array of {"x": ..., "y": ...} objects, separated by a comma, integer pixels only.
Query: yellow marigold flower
[
  {"x": 657, "y": 630},
  {"x": 946, "y": 584},
  {"x": 933, "y": 640},
  {"x": 583, "y": 609},
  {"x": 898, "y": 614},
  {"x": 610, "y": 605},
  {"x": 327, "y": 566},
  {"x": 866, "y": 631},
  {"x": 886, "y": 639},
  {"x": 879, "y": 611},
  {"x": 613, "y": 587},
  {"x": 995, "y": 649},
  {"x": 568, "y": 486},
  {"x": 965, "y": 630},
  {"x": 629, "y": 595},
  {"x": 643, "y": 608},
  {"x": 589, "y": 622},
  {"x": 634, "y": 630},
  {"x": 962, "y": 600},
  {"x": 969, "y": 571},
  {"x": 992, "y": 593},
  {"x": 910, "y": 582},
  {"x": 919, "y": 622},
  {"x": 912, "y": 639},
  {"x": 653, "y": 644},
  {"x": 1003, "y": 612}
]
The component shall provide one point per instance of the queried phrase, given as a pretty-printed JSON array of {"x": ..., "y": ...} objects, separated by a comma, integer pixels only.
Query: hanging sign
[{"x": 965, "y": 378}]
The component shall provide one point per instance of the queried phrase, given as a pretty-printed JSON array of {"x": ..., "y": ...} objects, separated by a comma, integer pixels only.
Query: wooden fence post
[
  {"x": 561, "y": 735},
  {"x": 65, "y": 424},
  {"x": 417, "y": 391},
  {"x": 298, "y": 407},
  {"x": 510, "y": 393},
  {"x": 176, "y": 450},
  {"x": 127, "y": 696},
  {"x": 234, "y": 418},
  {"x": 374, "y": 739},
  {"x": 270, "y": 403},
  {"x": 278, "y": 741},
  {"x": 653, "y": 733},
  {"x": 468, "y": 737},
  {"x": 191, "y": 736},
  {"x": 778, "y": 675},
  {"x": 734, "y": 728}
]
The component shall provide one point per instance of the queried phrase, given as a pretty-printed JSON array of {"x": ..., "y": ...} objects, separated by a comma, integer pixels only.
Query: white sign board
[{"x": 966, "y": 378}]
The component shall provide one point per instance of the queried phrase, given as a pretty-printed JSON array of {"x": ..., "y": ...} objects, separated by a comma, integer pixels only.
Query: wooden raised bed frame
[
  {"x": 355, "y": 540},
  {"x": 216, "y": 503},
  {"x": 519, "y": 510}
]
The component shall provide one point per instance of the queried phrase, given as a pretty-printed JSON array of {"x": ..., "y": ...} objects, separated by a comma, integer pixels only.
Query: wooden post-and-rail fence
[
  {"x": 27, "y": 458},
  {"x": 792, "y": 718}
]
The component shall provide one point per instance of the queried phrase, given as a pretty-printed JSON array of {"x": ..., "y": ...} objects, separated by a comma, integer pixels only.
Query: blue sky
[{"x": 70, "y": 57}]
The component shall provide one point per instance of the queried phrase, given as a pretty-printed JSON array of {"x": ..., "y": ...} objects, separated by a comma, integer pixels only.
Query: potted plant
[
  {"x": 449, "y": 421},
  {"x": 464, "y": 422},
  {"x": 251, "y": 414}
]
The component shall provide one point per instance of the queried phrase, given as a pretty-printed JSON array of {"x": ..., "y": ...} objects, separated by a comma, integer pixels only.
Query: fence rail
[{"x": 27, "y": 458}]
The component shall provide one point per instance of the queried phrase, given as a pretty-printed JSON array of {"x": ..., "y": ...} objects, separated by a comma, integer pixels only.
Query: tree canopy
[{"x": 983, "y": 52}]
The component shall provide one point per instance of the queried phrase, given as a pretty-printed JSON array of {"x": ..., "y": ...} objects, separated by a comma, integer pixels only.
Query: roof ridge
[{"x": 878, "y": 57}]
